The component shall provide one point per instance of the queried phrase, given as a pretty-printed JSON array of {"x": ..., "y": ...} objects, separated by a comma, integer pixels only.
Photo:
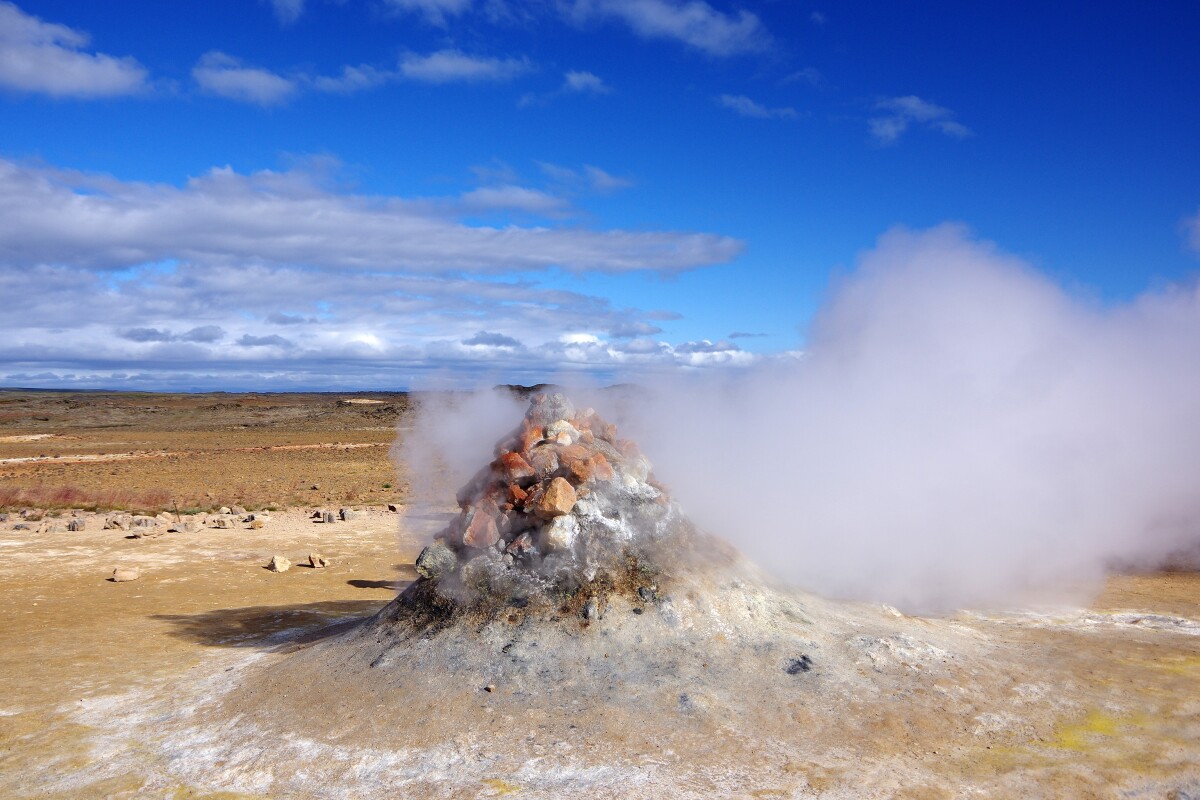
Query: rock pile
[{"x": 566, "y": 505}]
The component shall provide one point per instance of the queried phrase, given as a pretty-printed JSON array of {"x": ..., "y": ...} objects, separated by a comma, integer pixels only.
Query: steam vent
[{"x": 566, "y": 513}]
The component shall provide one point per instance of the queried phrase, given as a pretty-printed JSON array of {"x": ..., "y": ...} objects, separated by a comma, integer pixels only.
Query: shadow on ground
[
  {"x": 271, "y": 626},
  {"x": 359, "y": 583}
]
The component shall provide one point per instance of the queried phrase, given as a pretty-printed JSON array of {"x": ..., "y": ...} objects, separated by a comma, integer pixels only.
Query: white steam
[{"x": 960, "y": 430}]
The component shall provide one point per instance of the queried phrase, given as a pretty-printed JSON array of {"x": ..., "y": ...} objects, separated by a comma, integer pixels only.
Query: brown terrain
[{"x": 185, "y": 682}]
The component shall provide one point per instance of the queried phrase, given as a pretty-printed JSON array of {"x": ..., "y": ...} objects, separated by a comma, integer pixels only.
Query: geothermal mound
[{"x": 566, "y": 515}]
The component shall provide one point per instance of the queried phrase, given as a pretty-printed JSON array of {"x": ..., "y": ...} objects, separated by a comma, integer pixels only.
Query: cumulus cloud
[
  {"x": 905, "y": 111},
  {"x": 1191, "y": 228},
  {"x": 353, "y": 79},
  {"x": 455, "y": 66},
  {"x": 746, "y": 107},
  {"x": 434, "y": 11},
  {"x": 273, "y": 340},
  {"x": 226, "y": 76},
  {"x": 204, "y": 333},
  {"x": 513, "y": 198},
  {"x": 287, "y": 11},
  {"x": 47, "y": 58},
  {"x": 50, "y": 216},
  {"x": 960, "y": 429},
  {"x": 147, "y": 335},
  {"x": 488, "y": 339},
  {"x": 629, "y": 330},
  {"x": 693, "y": 22},
  {"x": 581, "y": 82}
]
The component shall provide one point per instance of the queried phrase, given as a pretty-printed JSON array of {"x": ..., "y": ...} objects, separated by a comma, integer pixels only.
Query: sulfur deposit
[{"x": 566, "y": 510}]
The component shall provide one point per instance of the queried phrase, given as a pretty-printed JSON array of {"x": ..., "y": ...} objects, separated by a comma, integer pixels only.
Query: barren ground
[{"x": 100, "y": 677}]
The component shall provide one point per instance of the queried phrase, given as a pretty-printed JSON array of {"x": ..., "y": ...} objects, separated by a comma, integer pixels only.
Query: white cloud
[
  {"x": 808, "y": 75},
  {"x": 288, "y": 11},
  {"x": 454, "y": 66},
  {"x": 909, "y": 109},
  {"x": 1191, "y": 227},
  {"x": 353, "y": 79},
  {"x": 584, "y": 83},
  {"x": 589, "y": 178},
  {"x": 694, "y": 23},
  {"x": 226, "y": 76},
  {"x": 512, "y": 198},
  {"x": 434, "y": 11},
  {"x": 47, "y": 58},
  {"x": 749, "y": 108},
  {"x": 60, "y": 217}
]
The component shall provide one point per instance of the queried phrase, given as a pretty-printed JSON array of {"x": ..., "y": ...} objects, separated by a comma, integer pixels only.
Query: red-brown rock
[
  {"x": 516, "y": 494},
  {"x": 530, "y": 436},
  {"x": 515, "y": 468},
  {"x": 558, "y": 499},
  {"x": 481, "y": 531},
  {"x": 544, "y": 461}
]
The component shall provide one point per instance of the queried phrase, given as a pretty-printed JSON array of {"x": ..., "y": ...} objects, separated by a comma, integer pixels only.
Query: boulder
[
  {"x": 279, "y": 564},
  {"x": 317, "y": 561},
  {"x": 328, "y": 518},
  {"x": 560, "y": 533},
  {"x": 515, "y": 469},
  {"x": 481, "y": 530},
  {"x": 224, "y": 510},
  {"x": 436, "y": 560},
  {"x": 558, "y": 499},
  {"x": 548, "y": 408},
  {"x": 77, "y": 524},
  {"x": 347, "y": 514}
]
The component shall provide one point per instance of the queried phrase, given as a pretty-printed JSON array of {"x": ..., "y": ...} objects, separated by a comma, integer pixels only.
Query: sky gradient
[{"x": 394, "y": 194}]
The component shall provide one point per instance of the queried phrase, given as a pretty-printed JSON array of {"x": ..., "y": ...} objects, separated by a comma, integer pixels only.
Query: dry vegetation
[{"x": 150, "y": 452}]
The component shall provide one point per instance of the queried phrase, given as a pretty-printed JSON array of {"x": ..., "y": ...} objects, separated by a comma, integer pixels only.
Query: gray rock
[
  {"x": 4, "y": 517},
  {"x": 77, "y": 524},
  {"x": 237, "y": 510},
  {"x": 436, "y": 560},
  {"x": 21, "y": 526},
  {"x": 328, "y": 518},
  {"x": 347, "y": 514},
  {"x": 550, "y": 408}
]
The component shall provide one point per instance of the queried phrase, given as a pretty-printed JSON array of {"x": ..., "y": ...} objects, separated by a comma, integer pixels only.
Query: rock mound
[{"x": 567, "y": 511}]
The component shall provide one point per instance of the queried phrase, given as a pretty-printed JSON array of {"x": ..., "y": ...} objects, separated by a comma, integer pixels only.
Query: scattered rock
[
  {"x": 315, "y": 487},
  {"x": 347, "y": 514},
  {"x": 328, "y": 518},
  {"x": 120, "y": 575},
  {"x": 797, "y": 665},
  {"x": 317, "y": 561},
  {"x": 392, "y": 507},
  {"x": 491, "y": 687},
  {"x": 225, "y": 523},
  {"x": 257, "y": 524},
  {"x": 224, "y": 510},
  {"x": 279, "y": 564},
  {"x": 4, "y": 517},
  {"x": 77, "y": 524},
  {"x": 237, "y": 510},
  {"x": 21, "y": 526}
]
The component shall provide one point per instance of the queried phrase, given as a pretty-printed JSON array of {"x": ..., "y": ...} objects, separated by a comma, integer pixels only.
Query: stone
[
  {"x": 531, "y": 436},
  {"x": 516, "y": 495},
  {"x": 257, "y": 524},
  {"x": 4, "y": 517},
  {"x": 436, "y": 560},
  {"x": 317, "y": 561},
  {"x": 315, "y": 487},
  {"x": 141, "y": 521},
  {"x": 224, "y": 523},
  {"x": 520, "y": 546},
  {"x": 392, "y": 507},
  {"x": 224, "y": 510},
  {"x": 77, "y": 524},
  {"x": 558, "y": 499},
  {"x": 328, "y": 518},
  {"x": 560, "y": 533},
  {"x": 347, "y": 514},
  {"x": 21, "y": 526},
  {"x": 481, "y": 530},
  {"x": 237, "y": 510},
  {"x": 544, "y": 461},
  {"x": 548, "y": 408},
  {"x": 515, "y": 469},
  {"x": 562, "y": 432},
  {"x": 163, "y": 517},
  {"x": 279, "y": 564},
  {"x": 123, "y": 574}
]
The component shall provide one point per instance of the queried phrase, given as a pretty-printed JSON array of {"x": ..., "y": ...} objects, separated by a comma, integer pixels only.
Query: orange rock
[
  {"x": 608, "y": 431},
  {"x": 515, "y": 468},
  {"x": 601, "y": 469},
  {"x": 530, "y": 436},
  {"x": 587, "y": 437},
  {"x": 558, "y": 499},
  {"x": 516, "y": 494},
  {"x": 481, "y": 531}
]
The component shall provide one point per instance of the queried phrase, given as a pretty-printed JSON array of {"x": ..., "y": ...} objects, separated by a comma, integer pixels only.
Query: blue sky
[{"x": 400, "y": 193}]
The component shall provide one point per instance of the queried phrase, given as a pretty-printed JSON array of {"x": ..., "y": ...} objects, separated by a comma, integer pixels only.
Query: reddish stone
[
  {"x": 582, "y": 470},
  {"x": 516, "y": 494},
  {"x": 544, "y": 461},
  {"x": 627, "y": 448},
  {"x": 558, "y": 499},
  {"x": 481, "y": 531},
  {"x": 530, "y": 436},
  {"x": 608, "y": 431},
  {"x": 601, "y": 469},
  {"x": 571, "y": 453},
  {"x": 520, "y": 545},
  {"x": 587, "y": 437},
  {"x": 515, "y": 468}
]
